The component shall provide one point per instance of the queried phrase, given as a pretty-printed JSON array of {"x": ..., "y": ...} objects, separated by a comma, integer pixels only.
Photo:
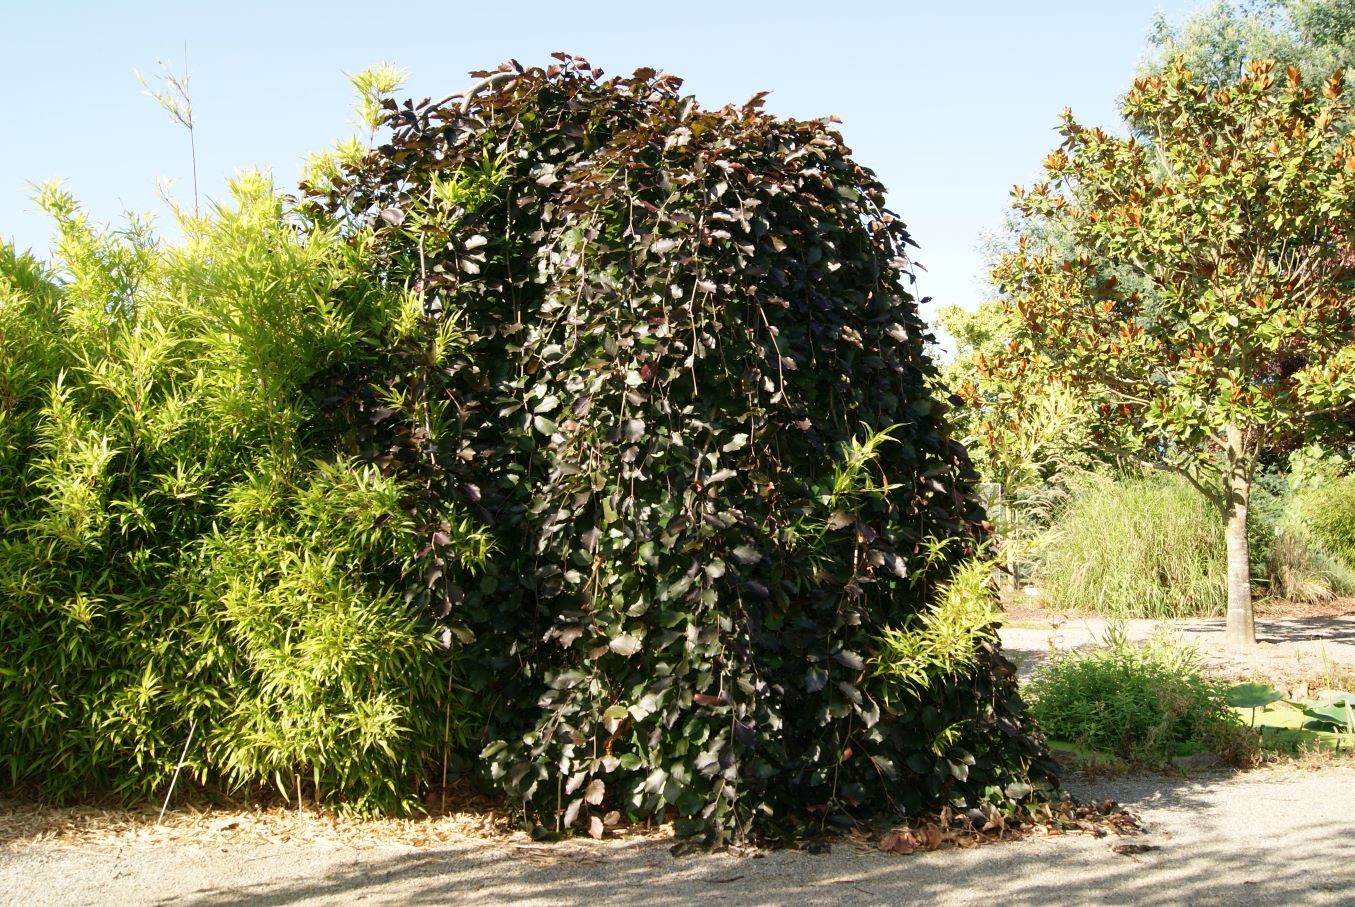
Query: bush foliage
[
  {"x": 692, "y": 405},
  {"x": 1327, "y": 513},
  {"x": 1145, "y": 703},
  {"x": 575, "y": 432},
  {"x": 187, "y": 548}
]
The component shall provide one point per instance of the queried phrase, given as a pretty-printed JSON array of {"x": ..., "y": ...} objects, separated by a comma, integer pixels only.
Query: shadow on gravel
[
  {"x": 1288, "y": 644},
  {"x": 1288, "y": 856},
  {"x": 1279, "y": 630}
]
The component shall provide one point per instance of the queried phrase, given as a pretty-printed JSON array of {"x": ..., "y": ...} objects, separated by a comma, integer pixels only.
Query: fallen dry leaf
[{"x": 900, "y": 842}]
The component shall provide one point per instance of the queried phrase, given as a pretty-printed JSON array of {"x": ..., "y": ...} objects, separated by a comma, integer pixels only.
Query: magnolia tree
[{"x": 1236, "y": 205}]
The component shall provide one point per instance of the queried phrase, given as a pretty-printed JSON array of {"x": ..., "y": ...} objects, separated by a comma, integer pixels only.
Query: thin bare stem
[{"x": 175, "y": 780}]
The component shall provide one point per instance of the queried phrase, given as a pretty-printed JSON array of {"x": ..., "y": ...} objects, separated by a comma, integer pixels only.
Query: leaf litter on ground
[{"x": 988, "y": 825}]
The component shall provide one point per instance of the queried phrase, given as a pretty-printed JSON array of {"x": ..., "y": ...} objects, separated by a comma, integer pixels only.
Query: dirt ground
[{"x": 1277, "y": 836}]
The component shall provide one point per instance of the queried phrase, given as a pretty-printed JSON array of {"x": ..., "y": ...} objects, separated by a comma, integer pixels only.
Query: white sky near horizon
[{"x": 951, "y": 104}]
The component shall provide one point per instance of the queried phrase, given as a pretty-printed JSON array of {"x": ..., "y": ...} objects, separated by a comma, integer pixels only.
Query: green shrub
[
  {"x": 1325, "y": 514},
  {"x": 189, "y": 546},
  {"x": 694, "y": 408},
  {"x": 1139, "y": 546},
  {"x": 1146, "y": 704}
]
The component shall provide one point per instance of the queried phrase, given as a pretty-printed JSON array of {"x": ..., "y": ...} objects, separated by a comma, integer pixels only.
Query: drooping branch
[{"x": 467, "y": 95}]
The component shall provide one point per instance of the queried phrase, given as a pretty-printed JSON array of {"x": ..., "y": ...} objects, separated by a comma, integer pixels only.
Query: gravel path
[
  {"x": 1313, "y": 649},
  {"x": 1274, "y": 836}
]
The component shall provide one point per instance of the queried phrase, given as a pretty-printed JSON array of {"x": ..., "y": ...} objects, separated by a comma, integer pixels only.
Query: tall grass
[
  {"x": 1139, "y": 546},
  {"x": 1299, "y": 571}
]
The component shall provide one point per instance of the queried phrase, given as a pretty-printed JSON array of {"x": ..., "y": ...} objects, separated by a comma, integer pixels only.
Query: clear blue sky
[{"x": 951, "y": 103}]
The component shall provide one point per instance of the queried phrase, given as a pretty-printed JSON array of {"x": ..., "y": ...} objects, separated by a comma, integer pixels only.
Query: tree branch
[
  {"x": 1210, "y": 495},
  {"x": 469, "y": 94}
]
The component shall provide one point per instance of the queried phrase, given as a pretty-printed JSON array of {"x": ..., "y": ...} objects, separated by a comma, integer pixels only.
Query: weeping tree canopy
[{"x": 689, "y": 396}]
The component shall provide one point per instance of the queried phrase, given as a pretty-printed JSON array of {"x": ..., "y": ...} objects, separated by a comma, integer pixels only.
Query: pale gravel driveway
[
  {"x": 1272, "y": 836},
  {"x": 1289, "y": 648},
  {"x": 1276, "y": 836}
]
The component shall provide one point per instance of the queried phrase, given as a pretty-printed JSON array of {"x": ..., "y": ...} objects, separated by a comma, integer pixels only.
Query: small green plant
[
  {"x": 1140, "y": 546},
  {"x": 1147, "y": 704}
]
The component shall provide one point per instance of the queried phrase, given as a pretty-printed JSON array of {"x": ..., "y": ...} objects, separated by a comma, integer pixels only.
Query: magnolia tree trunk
[{"x": 1241, "y": 626}]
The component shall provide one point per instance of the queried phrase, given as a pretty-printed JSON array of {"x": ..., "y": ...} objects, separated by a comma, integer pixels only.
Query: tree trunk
[{"x": 1241, "y": 626}]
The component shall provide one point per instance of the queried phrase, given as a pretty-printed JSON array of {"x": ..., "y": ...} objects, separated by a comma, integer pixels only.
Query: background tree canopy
[
  {"x": 1237, "y": 212},
  {"x": 1317, "y": 36}
]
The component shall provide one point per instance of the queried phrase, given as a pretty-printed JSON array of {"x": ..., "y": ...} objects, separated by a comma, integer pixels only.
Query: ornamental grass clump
[
  {"x": 1326, "y": 515},
  {"x": 1139, "y": 546},
  {"x": 692, "y": 409}
]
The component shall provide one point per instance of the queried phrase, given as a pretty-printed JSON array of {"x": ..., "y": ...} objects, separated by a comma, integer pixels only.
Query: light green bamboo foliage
[
  {"x": 29, "y": 320},
  {"x": 344, "y": 685},
  {"x": 186, "y": 540},
  {"x": 946, "y": 640}
]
